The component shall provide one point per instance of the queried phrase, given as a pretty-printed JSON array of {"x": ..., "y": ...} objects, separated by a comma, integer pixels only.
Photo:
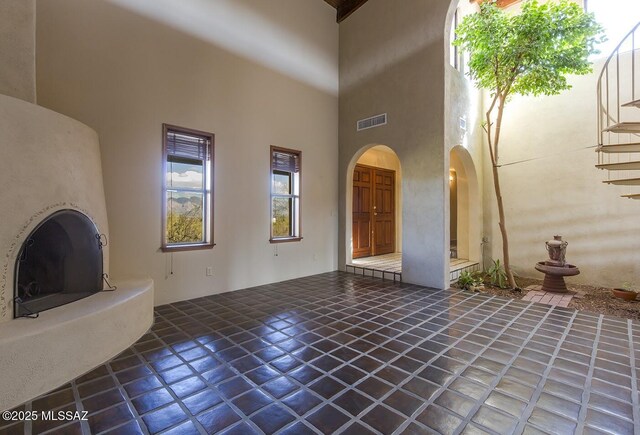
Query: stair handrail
[{"x": 602, "y": 110}]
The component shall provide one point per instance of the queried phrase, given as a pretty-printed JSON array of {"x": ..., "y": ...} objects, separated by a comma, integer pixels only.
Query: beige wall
[
  {"x": 550, "y": 186},
  {"x": 392, "y": 61},
  {"x": 125, "y": 72},
  {"x": 383, "y": 157},
  {"x": 17, "y": 49}
]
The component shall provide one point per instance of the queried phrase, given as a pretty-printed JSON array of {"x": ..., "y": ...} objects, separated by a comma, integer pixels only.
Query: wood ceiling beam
[{"x": 345, "y": 8}]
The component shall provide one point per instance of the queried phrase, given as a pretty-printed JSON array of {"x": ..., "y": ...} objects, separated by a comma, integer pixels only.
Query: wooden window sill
[
  {"x": 194, "y": 247},
  {"x": 285, "y": 239}
]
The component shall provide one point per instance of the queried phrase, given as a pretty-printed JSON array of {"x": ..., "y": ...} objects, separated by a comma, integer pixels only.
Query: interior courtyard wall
[
  {"x": 551, "y": 186},
  {"x": 125, "y": 73},
  {"x": 464, "y": 130},
  {"x": 392, "y": 61},
  {"x": 381, "y": 156}
]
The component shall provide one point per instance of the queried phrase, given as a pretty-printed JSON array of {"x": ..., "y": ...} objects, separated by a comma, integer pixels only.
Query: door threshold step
[
  {"x": 624, "y": 127},
  {"x": 619, "y": 148},
  {"x": 624, "y": 182},
  {"x": 622, "y": 166},
  {"x": 634, "y": 103},
  {"x": 632, "y": 196}
]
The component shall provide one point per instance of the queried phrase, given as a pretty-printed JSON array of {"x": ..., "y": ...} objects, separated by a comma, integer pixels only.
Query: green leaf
[{"x": 530, "y": 53}]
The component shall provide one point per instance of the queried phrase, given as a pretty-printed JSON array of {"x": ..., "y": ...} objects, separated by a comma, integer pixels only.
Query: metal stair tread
[
  {"x": 634, "y": 103},
  {"x": 632, "y": 147},
  {"x": 624, "y": 182},
  {"x": 623, "y": 127},
  {"x": 620, "y": 166}
]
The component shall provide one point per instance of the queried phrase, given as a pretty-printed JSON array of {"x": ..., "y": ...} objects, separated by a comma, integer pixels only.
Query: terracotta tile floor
[
  {"x": 536, "y": 294},
  {"x": 343, "y": 353}
]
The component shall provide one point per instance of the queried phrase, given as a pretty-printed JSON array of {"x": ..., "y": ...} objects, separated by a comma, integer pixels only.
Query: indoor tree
[{"x": 528, "y": 53}]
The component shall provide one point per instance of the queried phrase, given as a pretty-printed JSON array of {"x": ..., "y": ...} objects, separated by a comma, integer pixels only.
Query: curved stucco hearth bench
[{"x": 38, "y": 355}]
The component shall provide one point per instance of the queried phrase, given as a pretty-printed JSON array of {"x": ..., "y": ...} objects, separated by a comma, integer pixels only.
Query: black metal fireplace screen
[{"x": 59, "y": 263}]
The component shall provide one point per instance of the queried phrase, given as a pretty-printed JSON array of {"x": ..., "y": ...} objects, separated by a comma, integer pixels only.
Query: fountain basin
[{"x": 554, "y": 276}]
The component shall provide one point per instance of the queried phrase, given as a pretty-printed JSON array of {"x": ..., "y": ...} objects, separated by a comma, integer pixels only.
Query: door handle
[{"x": 375, "y": 214}]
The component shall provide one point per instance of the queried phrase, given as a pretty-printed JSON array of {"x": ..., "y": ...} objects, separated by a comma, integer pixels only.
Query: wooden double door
[{"x": 374, "y": 211}]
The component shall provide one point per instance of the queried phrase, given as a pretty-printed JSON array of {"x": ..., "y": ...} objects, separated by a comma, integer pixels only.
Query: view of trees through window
[
  {"x": 187, "y": 188},
  {"x": 285, "y": 194},
  {"x": 281, "y": 218},
  {"x": 185, "y": 219}
]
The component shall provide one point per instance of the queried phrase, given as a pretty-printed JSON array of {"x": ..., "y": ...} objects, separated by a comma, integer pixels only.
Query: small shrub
[
  {"x": 497, "y": 275},
  {"x": 469, "y": 279}
]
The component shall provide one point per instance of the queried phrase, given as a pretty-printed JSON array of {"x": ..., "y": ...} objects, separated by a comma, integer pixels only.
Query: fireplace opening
[{"x": 59, "y": 263}]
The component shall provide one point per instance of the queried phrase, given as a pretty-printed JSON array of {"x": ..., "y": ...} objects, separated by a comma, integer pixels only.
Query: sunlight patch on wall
[
  {"x": 237, "y": 28},
  {"x": 617, "y": 17}
]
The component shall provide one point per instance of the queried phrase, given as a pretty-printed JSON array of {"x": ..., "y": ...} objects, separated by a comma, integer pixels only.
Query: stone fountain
[{"x": 556, "y": 268}]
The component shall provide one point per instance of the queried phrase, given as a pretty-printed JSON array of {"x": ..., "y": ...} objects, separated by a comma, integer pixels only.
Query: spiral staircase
[{"x": 619, "y": 116}]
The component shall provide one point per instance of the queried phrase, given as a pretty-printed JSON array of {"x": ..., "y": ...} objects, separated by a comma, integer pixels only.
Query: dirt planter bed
[{"x": 586, "y": 298}]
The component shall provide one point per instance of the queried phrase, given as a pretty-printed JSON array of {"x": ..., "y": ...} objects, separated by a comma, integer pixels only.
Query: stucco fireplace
[{"x": 53, "y": 250}]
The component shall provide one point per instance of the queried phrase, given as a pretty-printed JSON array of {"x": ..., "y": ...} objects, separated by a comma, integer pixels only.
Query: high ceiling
[{"x": 345, "y": 8}]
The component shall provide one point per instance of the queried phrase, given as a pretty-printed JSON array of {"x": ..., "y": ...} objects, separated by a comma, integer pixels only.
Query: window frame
[
  {"x": 455, "y": 48},
  {"x": 208, "y": 205},
  {"x": 296, "y": 218}
]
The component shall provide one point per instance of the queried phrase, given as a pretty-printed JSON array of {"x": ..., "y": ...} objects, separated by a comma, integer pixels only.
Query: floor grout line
[{"x": 538, "y": 391}]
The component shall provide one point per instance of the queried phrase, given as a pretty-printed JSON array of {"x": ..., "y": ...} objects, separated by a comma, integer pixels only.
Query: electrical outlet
[{"x": 209, "y": 271}]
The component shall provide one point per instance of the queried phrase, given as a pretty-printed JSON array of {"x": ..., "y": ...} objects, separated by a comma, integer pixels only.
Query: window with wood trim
[
  {"x": 286, "y": 174},
  {"x": 187, "y": 195}
]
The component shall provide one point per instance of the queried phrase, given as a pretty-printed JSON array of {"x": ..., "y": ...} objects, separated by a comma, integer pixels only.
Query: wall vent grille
[{"x": 374, "y": 121}]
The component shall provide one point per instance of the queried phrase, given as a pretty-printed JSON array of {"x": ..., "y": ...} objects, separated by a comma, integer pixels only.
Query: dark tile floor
[{"x": 342, "y": 353}]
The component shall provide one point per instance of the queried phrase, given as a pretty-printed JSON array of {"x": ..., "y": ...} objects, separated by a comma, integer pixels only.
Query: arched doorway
[
  {"x": 464, "y": 207},
  {"x": 374, "y": 204}
]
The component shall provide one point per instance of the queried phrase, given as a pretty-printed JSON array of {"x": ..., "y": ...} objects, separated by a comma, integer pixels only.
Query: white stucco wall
[
  {"x": 18, "y": 49},
  {"x": 392, "y": 61},
  {"x": 550, "y": 186},
  {"x": 253, "y": 72}
]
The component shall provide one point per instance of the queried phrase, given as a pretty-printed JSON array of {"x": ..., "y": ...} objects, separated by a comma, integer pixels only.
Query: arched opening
[
  {"x": 59, "y": 262},
  {"x": 464, "y": 207},
  {"x": 374, "y": 205}
]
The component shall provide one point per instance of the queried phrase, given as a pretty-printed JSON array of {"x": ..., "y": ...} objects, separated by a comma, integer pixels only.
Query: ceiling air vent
[{"x": 374, "y": 121}]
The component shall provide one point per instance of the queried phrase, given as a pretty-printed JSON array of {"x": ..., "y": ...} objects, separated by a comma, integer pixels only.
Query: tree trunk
[
  {"x": 496, "y": 184},
  {"x": 503, "y": 229}
]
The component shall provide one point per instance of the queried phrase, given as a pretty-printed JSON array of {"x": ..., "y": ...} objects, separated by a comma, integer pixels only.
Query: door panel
[
  {"x": 361, "y": 230},
  {"x": 373, "y": 225},
  {"x": 384, "y": 215}
]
